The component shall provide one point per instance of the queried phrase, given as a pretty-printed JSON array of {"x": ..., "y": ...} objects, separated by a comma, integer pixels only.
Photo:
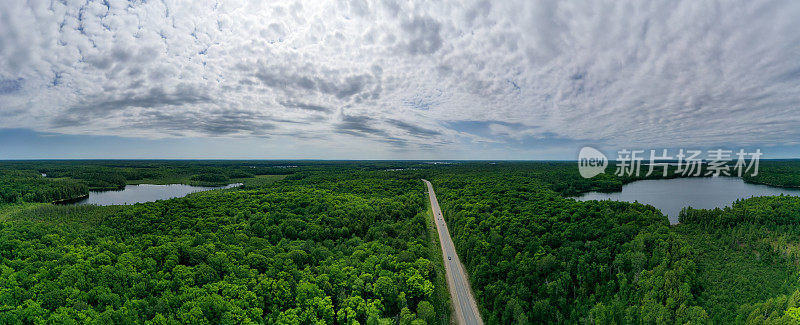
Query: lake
[
  {"x": 143, "y": 193},
  {"x": 672, "y": 195}
]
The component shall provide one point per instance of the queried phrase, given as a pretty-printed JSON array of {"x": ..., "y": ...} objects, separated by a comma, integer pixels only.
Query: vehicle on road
[{"x": 464, "y": 306}]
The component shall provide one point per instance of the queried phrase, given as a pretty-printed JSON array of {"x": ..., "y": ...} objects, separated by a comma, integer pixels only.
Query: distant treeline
[
  {"x": 29, "y": 186},
  {"x": 343, "y": 247},
  {"x": 345, "y": 243},
  {"x": 48, "y": 181},
  {"x": 784, "y": 173},
  {"x": 536, "y": 257}
]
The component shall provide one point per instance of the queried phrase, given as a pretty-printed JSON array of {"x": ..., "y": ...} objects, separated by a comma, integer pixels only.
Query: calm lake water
[
  {"x": 144, "y": 193},
  {"x": 672, "y": 195}
]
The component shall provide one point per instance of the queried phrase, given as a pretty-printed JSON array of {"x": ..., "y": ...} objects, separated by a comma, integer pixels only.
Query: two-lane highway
[{"x": 466, "y": 310}]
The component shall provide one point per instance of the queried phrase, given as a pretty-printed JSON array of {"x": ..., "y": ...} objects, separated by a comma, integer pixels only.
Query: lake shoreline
[
  {"x": 140, "y": 193},
  {"x": 671, "y": 195},
  {"x": 70, "y": 200}
]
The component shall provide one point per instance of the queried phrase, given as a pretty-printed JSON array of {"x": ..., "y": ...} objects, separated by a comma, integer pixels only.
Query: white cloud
[{"x": 655, "y": 73}]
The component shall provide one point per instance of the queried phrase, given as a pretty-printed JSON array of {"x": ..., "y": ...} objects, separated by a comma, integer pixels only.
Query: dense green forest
[
  {"x": 347, "y": 250},
  {"x": 17, "y": 186},
  {"x": 749, "y": 258},
  {"x": 48, "y": 181},
  {"x": 535, "y": 256},
  {"x": 785, "y": 173},
  {"x": 350, "y": 243}
]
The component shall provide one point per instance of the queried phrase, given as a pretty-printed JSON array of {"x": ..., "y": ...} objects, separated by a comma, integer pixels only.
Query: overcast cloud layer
[{"x": 405, "y": 75}]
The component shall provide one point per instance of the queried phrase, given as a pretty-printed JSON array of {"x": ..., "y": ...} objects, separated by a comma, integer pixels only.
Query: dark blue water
[
  {"x": 672, "y": 195},
  {"x": 144, "y": 193}
]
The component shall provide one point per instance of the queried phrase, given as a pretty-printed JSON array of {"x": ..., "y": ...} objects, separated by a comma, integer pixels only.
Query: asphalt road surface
[{"x": 466, "y": 310}]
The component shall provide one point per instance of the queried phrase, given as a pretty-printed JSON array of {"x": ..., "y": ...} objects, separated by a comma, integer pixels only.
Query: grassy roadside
[{"x": 441, "y": 296}]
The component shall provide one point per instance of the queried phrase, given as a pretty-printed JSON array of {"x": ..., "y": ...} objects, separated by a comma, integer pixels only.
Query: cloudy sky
[{"x": 395, "y": 79}]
